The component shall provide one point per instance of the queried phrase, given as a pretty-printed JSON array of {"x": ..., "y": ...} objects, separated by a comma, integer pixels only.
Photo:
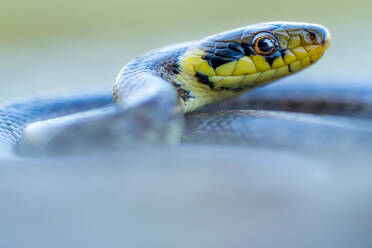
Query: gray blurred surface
[{"x": 148, "y": 198}]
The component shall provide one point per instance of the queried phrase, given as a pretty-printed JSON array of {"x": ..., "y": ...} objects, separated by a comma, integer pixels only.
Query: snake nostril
[
  {"x": 312, "y": 36},
  {"x": 318, "y": 34}
]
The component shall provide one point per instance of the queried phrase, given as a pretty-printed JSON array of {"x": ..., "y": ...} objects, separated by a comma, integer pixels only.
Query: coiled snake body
[{"x": 154, "y": 91}]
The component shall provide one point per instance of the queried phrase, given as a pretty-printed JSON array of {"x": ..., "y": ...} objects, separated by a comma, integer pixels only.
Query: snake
[{"x": 207, "y": 91}]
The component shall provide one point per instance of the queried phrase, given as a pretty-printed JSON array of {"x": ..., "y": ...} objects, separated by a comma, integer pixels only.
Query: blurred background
[
  {"x": 219, "y": 196},
  {"x": 54, "y": 45}
]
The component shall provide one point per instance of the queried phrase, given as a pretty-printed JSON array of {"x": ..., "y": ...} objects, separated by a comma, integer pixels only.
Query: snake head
[{"x": 255, "y": 55}]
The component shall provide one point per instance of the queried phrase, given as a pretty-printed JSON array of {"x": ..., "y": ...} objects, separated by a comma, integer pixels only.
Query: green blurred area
[
  {"x": 50, "y": 45},
  {"x": 42, "y": 18}
]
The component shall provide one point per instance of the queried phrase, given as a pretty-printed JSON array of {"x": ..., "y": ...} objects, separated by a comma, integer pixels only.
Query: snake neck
[
  {"x": 162, "y": 63},
  {"x": 173, "y": 65}
]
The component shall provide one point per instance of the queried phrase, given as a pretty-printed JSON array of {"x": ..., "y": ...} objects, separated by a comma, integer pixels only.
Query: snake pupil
[{"x": 265, "y": 45}]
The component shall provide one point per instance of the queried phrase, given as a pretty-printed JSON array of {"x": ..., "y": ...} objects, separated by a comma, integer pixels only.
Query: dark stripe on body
[{"x": 204, "y": 79}]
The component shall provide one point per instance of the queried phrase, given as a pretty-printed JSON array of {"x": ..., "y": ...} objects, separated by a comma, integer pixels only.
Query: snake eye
[{"x": 265, "y": 44}]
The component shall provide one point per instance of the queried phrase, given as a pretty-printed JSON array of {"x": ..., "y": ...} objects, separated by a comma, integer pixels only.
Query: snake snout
[{"x": 322, "y": 34}]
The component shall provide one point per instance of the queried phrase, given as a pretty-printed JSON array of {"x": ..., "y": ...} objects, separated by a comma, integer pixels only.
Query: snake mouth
[{"x": 259, "y": 78}]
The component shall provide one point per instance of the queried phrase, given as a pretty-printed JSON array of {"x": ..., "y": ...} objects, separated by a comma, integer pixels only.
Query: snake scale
[{"x": 181, "y": 93}]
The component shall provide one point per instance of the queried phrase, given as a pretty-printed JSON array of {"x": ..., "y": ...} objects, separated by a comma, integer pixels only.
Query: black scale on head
[
  {"x": 225, "y": 52},
  {"x": 271, "y": 58},
  {"x": 222, "y": 53}
]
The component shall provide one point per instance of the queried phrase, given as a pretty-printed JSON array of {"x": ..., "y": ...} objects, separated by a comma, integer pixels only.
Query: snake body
[{"x": 154, "y": 92}]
